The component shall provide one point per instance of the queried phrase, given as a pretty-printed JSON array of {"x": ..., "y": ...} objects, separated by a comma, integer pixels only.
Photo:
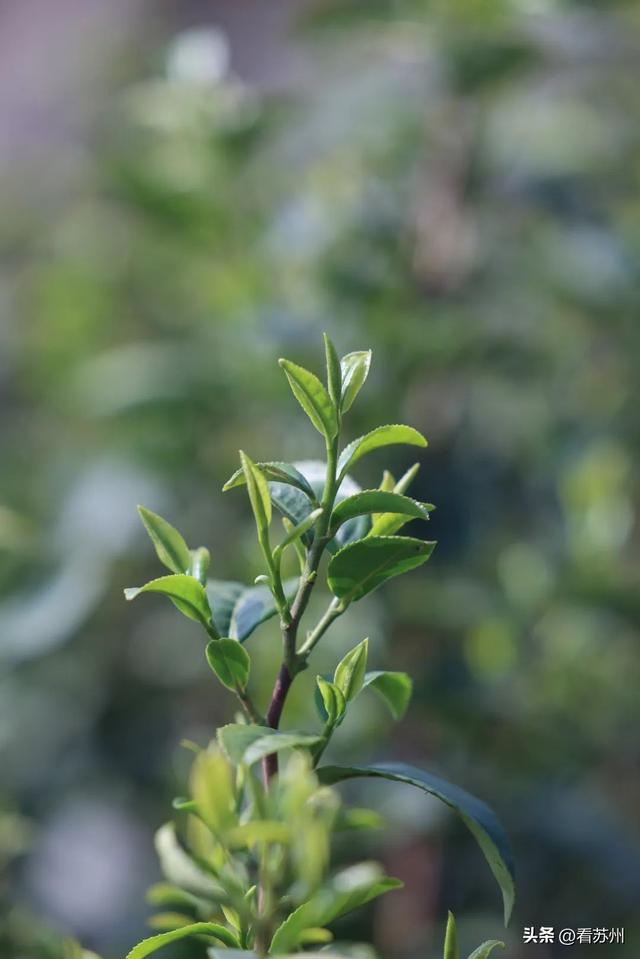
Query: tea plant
[{"x": 251, "y": 870}]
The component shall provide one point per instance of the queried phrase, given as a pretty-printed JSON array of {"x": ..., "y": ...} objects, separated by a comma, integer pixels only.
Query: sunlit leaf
[
  {"x": 349, "y": 674},
  {"x": 393, "y": 687},
  {"x": 387, "y": 524},
  {"x": 185, "y": 592},
  {"x": 169, "y": 545},
  {"x": 333, "y": 701},
  {"x": 451, "y": 948},
  {"x": 211, "y": 784},
  {"x": 178, "y": 866},
  {"x": 478, "y": 817},
  {"x": 361, "y": 567},
  {"x": 334, "y": 373},
  {"x": 258, "y": 494},
  {"x": 355, "y": 369},
  {"x": 210, "y": 929},
  {"x": 378, "y": 501},
  {"x": 200, "y": 559},
  {"x": 230, "y": 662},
  {"x": 382, "y": 436},
  {"x": 312, "y": 397}
]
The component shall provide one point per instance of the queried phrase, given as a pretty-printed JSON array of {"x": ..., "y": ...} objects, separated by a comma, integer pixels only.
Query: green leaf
[
  {"x": 349, "y": 674},
  {"x": 486, "y": 948},
  {"x": 378, "y": 501},
  {"x": 361, "y": 567},
  {"x": 239, "y": 609},
  {"x": 170, "y": 547},
  {"x": 355, "y": 369},
  {"x": 200, "y": 559},
  {"x": 264, "y": 830},
  {"x": 394, "y": 688},
  {"x": 230, "y": 662},
  {"x": 451, "y": 947},
  {"x": 185, "y": 592},
  {"x": 478, "y": 817},
  {"x": 334, "y": 373},
  {"x": 258, "y": 494},
  {"x": 212, "y": 929},
  {"x": 312, "y": 397},
  {"x": 348, "y": 890},
  {"x": 249, "y": 744},
  {"x": 296, "y": 532},
  {"x": 178, "y": 866},
  {"x": 333, "y": 701},
  {"x": 387, "y": 524},
  {"x": 382, "y": 436},
  {"x": 277, "y": 473}
]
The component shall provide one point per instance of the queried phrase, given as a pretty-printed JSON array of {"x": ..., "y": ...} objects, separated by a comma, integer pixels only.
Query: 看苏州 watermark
[{"x": 584, "y": 935}]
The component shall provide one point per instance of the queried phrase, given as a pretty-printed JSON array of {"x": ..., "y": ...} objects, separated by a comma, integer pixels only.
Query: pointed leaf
[
  {"x": 451, "y": 947},
  {"x": 394, "y": 688},
  {"x": 334, "y": 373},
  {"x": 170, "y": 547},
  {"x": 312, "y": 397},
  {"x": 483, "y": 951},
  {"x": 184, "y": 591},
  {"x": 298, "y": 531},
  {"x": 348, "y": 890},
  {"x": 258, "y": 493},
  {"x": 211, "y": 784},
  {"x": 378, "y": 501},
  {"x": 382, "y": 436},
  {"x": 332, "y": 700},
  {"x": 277, "y": 473},
  {"x": 249, "y": 744},
  {"x": 361, "y": 567},
  {"x": 355, "y": 369},
  {"x": 349, "y": 674},
  {"x": 178, "y": 866},
  {"x": 230, "y": 663},
  {"x": 387, "y": 524},
  {"x": 213, "y": 929},
  {"x": 478, "y": 817}
]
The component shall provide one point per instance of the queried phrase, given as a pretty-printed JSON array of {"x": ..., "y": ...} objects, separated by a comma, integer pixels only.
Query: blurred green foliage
[{"x": 457, "y": 186}]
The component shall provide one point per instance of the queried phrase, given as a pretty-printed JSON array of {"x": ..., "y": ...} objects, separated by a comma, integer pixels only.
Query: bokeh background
[{"x": 190, "y": 190}]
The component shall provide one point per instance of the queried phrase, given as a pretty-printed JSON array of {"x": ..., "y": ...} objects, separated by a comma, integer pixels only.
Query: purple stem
[{"x": 280, "y": 690}]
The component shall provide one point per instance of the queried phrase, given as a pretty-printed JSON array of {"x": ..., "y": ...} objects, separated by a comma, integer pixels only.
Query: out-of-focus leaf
[
  {"x": 349, "y": 674},
  {"x": 169, "y": 545},
  {"x": 212, "y": 929},
  {"x": 276, "y": 473},
  {"x": 185, "y": 592},
  {"x": 264, "y": 830},
  {"x": 346, "y": 891},
  {"x": 393, "y": 687},
  {"x": 169, "y": 920},
  {"x": 378, "y": 501},
  {"x": 249, "y": 744},
  {"x": 478, "y": 817},
  {"x": 483, "y": 951},
  {"x": 312, "y": 397},
  {"x": 361, "y": 567},
  {"x": 390, "y": 435},
  {"x": 179, "y": 868},
  {"x": 230, "y": 662},
  {"x": 355, "y": 369},
  {"x": 212, "y": 787}
]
